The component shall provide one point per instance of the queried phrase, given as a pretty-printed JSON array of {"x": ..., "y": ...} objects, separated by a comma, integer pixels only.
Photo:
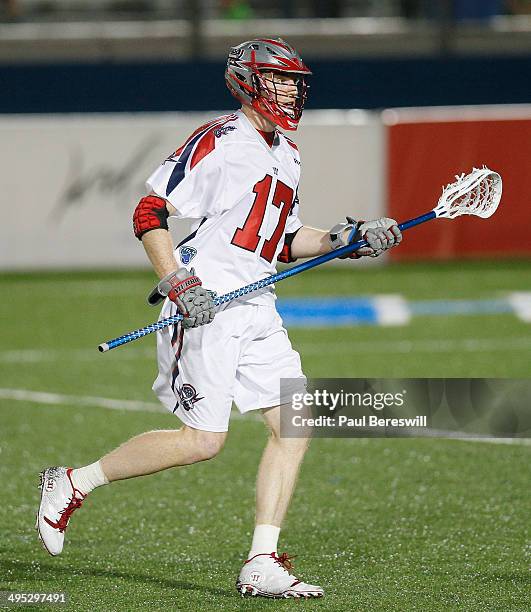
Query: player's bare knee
[
  {"x": 273, "y": 421},
  {"x": 289, "y": 446},
  {"x": 295, "y": 446},
  {"x": 206, "y": 444},
  {"x": 211, "y": 445}
]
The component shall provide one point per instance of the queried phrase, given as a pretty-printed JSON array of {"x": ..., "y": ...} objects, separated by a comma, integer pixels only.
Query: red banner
[{"x": 424, "y": 156}]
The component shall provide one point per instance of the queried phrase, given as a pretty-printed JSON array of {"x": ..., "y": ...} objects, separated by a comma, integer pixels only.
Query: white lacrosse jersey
[{"x": 241, "y": 194}]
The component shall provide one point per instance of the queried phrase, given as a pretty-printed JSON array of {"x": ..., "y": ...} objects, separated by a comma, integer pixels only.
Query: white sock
[
  {"x": 265, "y": 540},
  {"x": 88, "y": 478}
]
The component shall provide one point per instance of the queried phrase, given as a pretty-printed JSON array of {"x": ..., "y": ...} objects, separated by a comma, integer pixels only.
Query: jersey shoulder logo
[
  {"x": 187, "y": 253},
  {"x": 224, "y": 129},
  {"x": 197, "y": 147}
]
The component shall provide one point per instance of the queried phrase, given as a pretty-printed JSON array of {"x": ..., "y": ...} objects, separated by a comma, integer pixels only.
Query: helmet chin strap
[
  {"x": 281, "y": 120},
  {"x": 267, "y": 105}
]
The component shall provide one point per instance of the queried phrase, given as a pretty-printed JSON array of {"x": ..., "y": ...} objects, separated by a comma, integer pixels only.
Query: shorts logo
[
  {"x": 188, "y": 396},
  {"x": 187, "y": 254},
  {"x": 225, "y": 129}
]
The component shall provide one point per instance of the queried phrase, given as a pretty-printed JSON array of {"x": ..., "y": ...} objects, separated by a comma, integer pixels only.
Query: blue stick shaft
[{"x": 265, "y": 282}]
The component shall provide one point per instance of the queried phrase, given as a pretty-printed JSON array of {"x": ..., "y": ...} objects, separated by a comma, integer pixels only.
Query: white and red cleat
[
  {"x": 267, "y": 575},
  {"x": 59, "y": 499}
]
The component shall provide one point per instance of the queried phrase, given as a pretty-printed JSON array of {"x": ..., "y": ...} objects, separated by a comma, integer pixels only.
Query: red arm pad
[
  {"x": 285, "y": 255},
  {"x": 151, "y": 213}
]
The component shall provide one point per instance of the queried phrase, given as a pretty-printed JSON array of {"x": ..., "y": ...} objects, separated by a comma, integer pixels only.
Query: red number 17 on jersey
[{"x": 248, "y": 237}]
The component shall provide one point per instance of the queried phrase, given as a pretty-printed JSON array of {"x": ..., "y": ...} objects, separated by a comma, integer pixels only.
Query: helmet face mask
[
  {"x": 269, "y": 76},
  {"x": 273, "y": 99}
]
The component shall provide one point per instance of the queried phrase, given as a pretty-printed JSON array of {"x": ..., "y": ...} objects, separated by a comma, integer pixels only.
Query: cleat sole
[{"x": 248, "y": 590}]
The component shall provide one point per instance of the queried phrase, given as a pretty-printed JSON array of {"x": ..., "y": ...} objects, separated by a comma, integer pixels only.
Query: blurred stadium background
[{"x": 405, "y": 94}]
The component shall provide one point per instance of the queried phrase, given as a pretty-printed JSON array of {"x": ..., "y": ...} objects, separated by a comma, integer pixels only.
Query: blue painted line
[
  {"x": 347, "y": 311},
  {"x": 327, "y": 312}
]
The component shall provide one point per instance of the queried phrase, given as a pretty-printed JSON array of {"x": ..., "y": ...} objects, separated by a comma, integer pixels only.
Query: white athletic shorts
[{"x": 240, "y": 357}]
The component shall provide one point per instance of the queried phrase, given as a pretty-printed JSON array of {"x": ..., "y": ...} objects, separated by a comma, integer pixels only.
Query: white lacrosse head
[{"x": 477, "y": 193}]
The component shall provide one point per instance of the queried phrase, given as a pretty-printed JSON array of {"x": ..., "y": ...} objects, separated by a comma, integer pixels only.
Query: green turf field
[{"x": 381, "y": 524}]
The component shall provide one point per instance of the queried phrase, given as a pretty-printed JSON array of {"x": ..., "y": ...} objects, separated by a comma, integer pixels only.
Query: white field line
[
  {"x": 391, "y": 310},
  {"x": 57, "y": 399},
  {"x": 464, "y": 345},
  {"x": 521, "y": 303},
  {"x": 108, "y": 287},
  {"x": 60, "y": 399},
  {"x": 85, "y": 354},
  {"x": 453, "y": 435},
  {"x": 520, "y": 441}
]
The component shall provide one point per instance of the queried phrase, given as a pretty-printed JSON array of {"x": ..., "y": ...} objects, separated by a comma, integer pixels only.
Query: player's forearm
[
  {"x": 159, "y": 248},
  {"x": 309, "y": 242}
]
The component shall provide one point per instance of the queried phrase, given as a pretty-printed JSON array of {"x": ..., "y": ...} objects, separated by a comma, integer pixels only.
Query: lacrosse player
[{"x": 237, "y": 178}]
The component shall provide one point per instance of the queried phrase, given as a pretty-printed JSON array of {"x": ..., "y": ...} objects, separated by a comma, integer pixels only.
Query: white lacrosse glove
[{"x": 380, "y": 234}]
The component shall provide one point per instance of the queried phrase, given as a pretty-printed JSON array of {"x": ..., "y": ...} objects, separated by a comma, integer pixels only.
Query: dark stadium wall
[{"x": 364, "y": 83}]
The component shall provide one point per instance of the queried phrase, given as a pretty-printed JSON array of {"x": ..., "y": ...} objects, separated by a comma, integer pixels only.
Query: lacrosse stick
[{"x": 477, "y": 193}]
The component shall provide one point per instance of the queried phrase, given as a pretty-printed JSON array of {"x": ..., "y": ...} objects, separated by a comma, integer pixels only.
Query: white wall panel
[{"x": 71, "y": 182}]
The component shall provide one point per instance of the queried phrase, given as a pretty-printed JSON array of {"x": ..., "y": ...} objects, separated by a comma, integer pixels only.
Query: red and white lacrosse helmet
[{"x": 244, "y": 76}]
